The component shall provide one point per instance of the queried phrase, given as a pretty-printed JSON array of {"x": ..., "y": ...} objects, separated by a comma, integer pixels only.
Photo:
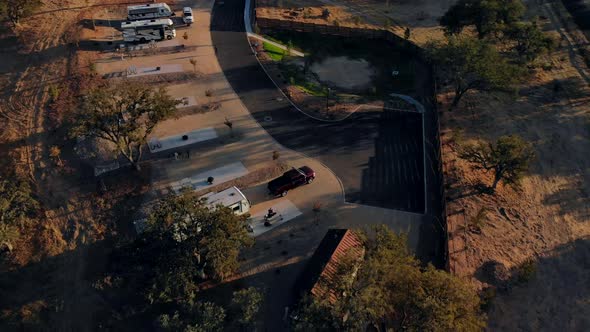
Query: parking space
[
  {"x": 183, "y": 139},
  {"x": 285, "y": 211}
]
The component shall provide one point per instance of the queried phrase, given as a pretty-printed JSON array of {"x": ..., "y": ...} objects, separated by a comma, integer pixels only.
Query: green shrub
[{"x": 53, "y": 92}]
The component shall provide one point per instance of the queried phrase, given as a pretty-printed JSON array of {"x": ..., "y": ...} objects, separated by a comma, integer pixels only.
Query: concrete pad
[
  {"x": 187, "y": 102},
  {"x": 285, "y": 211},
  {"x": 164, "y": 69},
  {"x": 176, "y": 141},
  {"x": 221, "y": 175}
]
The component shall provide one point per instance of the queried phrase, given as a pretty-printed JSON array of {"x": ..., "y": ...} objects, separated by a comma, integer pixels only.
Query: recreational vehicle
[
  {"x": 148, "y": 11},
  {"x": 143, "y": 31},
  {"x": 232, "y": 198}
]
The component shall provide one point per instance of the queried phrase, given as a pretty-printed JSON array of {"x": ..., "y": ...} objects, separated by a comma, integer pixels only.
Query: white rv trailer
[
  {"x": 143, "y": 31},
  {"x": 232, "y": 198},
  {"x": 148, "y": 11}
]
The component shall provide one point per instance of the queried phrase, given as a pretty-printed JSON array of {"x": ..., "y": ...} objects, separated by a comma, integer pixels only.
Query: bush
[
  {"x": 527, "y": 271},
  {"x": 53, "y": 92}
]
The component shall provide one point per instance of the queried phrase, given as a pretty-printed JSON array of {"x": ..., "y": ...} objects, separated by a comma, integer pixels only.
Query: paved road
[{"x": 377, "y": 156}]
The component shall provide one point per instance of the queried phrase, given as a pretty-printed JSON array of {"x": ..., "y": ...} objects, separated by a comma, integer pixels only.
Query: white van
[
  {"x": 232, "y": 198},
  {"x": 187, "y": 16}
]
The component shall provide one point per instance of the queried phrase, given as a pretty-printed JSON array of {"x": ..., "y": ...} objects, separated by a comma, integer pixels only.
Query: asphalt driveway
[{"x": 377, "y": 156}]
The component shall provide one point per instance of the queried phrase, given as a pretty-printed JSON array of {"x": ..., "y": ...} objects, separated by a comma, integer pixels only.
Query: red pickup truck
[{"x": 291, "y": 180}]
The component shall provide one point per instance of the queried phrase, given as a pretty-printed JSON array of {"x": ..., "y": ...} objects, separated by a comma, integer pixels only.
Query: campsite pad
[
  {"x": 285, "y": 211},
  {"x": 221, "y": 175},
  {"x": 163, "y": 69},
  {"x": 176, "y": 141}
]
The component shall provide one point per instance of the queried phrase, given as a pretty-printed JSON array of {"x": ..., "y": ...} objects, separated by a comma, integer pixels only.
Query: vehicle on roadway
[
  {"x": 148, "y": 11},
  {"x": 148, "y": 30},
  {"x": 290, "y": 180},
  {"x": 187, "y": 16}
]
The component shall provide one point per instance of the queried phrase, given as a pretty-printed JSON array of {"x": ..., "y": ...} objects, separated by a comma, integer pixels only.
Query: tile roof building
[{"x": 321, "y": 275}]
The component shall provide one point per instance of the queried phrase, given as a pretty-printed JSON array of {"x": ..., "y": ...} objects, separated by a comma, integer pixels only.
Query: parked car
[
  {"x": 291, "y": 180},
  {"x": 187, "y": 15}
]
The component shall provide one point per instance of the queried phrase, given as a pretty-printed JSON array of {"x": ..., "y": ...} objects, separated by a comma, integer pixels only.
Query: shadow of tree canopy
[{"x": 556, "y": 297}]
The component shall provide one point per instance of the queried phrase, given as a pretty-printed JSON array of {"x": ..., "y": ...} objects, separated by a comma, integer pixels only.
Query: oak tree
[
  {"x": 392, "y": 288},
  {"x": 530, "y": 41},
  {"x": 124, "y": 114},
  {"x": 245, "y": 306},
  {"x": 472, "y": 64},
  {"x": 487, "y": 16},
  {"x": 508, "y": 158},
  {"x": 189, "y": 242},
  {"x": 15, "y": 10}
]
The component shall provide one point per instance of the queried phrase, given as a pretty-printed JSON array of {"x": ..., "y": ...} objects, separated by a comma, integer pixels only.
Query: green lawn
[{"x": 275, "y": 53}]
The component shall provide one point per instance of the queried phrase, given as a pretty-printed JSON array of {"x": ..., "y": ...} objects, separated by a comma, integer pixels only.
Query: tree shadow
[
  {"x": 573, "y": 200},
  {"x": 553, "y": 297}
]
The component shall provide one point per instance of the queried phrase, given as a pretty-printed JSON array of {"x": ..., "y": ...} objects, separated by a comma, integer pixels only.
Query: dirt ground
[
  {"x": 44, "y": 280},
  {"x": 420, "y": 16},
  {"x": 547, "y": 219}
]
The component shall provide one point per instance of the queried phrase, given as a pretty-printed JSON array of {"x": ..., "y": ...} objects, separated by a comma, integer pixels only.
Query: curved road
[{"x": 377, "y": 155}]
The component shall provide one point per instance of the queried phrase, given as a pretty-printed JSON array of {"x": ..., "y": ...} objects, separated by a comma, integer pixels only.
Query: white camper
[
  {"x": 148, "y": 11},
  {"x": 144, "y": 31},
  {"x": 232, "y": 198}
]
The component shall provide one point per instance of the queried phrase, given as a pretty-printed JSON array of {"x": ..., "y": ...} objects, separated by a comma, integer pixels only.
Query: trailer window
[{"x": 236, "y": 208}]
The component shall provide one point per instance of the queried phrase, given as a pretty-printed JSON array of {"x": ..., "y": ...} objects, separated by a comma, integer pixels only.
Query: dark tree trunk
[{"x": 497, "y": 178}]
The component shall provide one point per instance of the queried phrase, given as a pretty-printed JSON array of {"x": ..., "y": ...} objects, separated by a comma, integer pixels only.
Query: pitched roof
[{"x": 321, "y": 272}]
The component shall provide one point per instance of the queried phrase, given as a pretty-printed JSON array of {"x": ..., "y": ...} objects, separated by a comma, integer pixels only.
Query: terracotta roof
[{"x": 321, "y": 272}]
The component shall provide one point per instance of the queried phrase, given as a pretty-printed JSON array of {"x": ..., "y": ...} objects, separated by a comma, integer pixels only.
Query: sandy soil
[{"x": 343, "y": 72}]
